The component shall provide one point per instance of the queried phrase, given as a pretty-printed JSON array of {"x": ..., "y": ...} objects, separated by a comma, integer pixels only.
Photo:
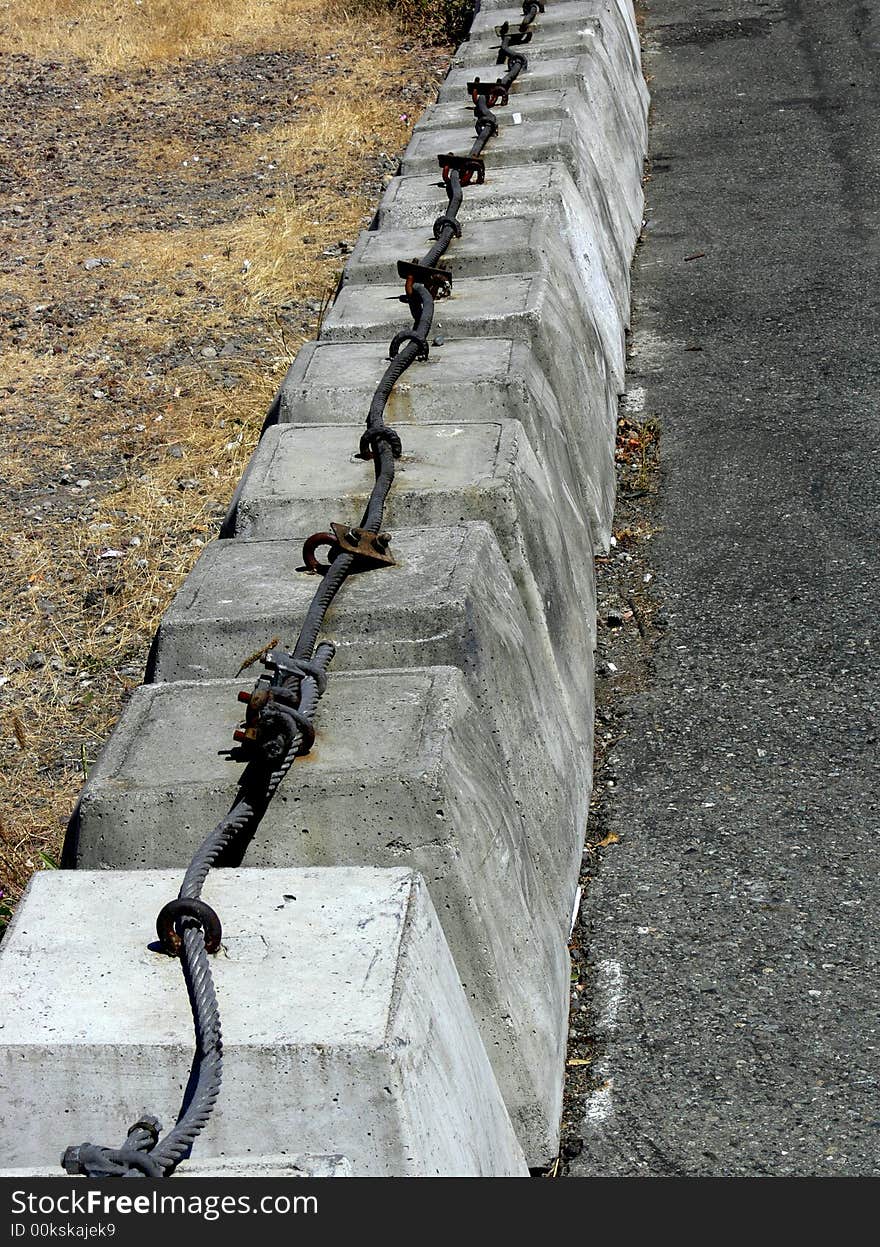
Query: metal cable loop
[
  {"x": 372, "y": 437},
  {"x": 408, "y": 336},
  {"x": 446, "y": 222}
]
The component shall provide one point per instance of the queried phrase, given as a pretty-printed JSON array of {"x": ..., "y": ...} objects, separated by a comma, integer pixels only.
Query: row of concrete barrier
[{"x": 394, "y": 978}]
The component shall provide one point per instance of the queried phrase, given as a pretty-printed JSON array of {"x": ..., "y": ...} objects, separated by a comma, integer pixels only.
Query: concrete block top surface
[
  {"x": 548, "y": 74},
  {"x": 605, "y": 172},
  {"x": 318, "y": 936},
  {"x": 467, "y": 379},
  {"x": 344, "y": 365},
  {"x": 409, "y": 194},
  {"x": 447, "y": 587},
  {"x": 309, "y": 471},
  {"x": 369, "y": 312},
  {"x": 532, "y": 138},
  {"x": 149, "y": 755},
  {"x": 565, "y": 14},
  {"x": 455, "y": 113},
  {"x": 437, "y": 456},
  {"x": 487, "y": 248},
  {"x": 556, "y": 43},
  {"x": 257, "y": 578}
]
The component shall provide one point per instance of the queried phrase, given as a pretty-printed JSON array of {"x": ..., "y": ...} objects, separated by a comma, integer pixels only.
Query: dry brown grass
[
  {"x": 113, "y": 34},
  {"x": 92, "y": 568}
]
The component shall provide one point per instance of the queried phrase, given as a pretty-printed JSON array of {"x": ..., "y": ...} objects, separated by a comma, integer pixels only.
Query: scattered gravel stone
[{"x": 35, "y": 661}]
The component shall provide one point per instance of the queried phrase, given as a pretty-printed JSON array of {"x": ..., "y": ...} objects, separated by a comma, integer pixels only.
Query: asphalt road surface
[{"x": 734, "y": 929}]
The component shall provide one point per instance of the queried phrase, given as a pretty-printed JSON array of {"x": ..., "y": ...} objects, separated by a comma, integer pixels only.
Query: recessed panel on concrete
[
  {"x": 345, "y": 1028},
  {"x": 405, "y": 771}
]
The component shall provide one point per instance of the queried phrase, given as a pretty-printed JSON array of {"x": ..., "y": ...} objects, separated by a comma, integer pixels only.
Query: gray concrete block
[
  {"x": 545, "y": 73},
  {"x": 404, "y": 772},
  {"x": 555, "y": 38},
  {"x": 486, "y": 249},
  {"x": 476, "y": 380},
  {"x": 449, "y": 601},
  {"x": 604, "y": 32},
  {"x": 529, "y": 307},
  {"x": 585, "y": 132},
  {"x": 508, "y": 247},
  {"x": 615, "y": 17},
  {"x": 613, "y": 117},
  {"x": 302, "y": 477},
  {"x": 544, "y": 193},
  {"x": 344, "y": 1025},
  {"x": 223, "y": 1167},
  {"x": 589, "y": 71}
]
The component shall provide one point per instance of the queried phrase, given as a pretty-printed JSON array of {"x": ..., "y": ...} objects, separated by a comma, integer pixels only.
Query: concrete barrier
[
  {"x": 556, "y": 125},
  {"x": 575, "y": 266},
  {"x": 543, "y": 192},
  {"x": 449, "y": 600},
  {"x": 466, "y": 758},
  {"x": 618, "y": 96},
  {"x": 482, "y": 471},
  {"x": 405, "y": 772},
  {"x": 364, "y": 1045},
  {"x": 532, "y": 308},
  {"x": 478, "y": 381},
  {"x": 613, "y": 21},
  {"x": 599, "y": 36}
]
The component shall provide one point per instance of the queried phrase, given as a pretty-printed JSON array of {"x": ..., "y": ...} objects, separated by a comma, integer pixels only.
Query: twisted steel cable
[{"x": 191, "y": 928}]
